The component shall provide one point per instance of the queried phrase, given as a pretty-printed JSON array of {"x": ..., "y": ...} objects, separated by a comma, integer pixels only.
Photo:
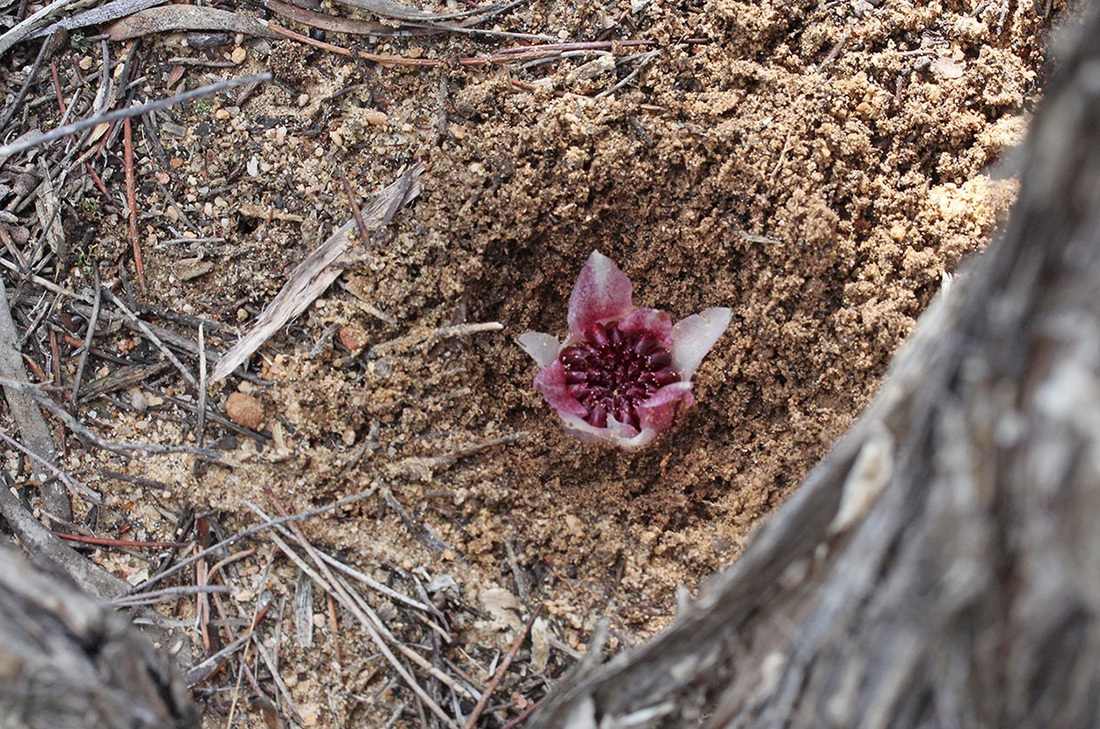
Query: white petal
[
  {"x": 694, "y": 336},
  {"x": 543, "y": 348},
  {"x": 602, "y": 292},
  {"x": 618, "y": 436}
]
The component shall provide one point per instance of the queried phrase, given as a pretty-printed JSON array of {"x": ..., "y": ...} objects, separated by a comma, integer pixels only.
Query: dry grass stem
[
  {"x": 64, "y": 131},
  {"x": 340, "y": 592},
  {"x": 153, "y": 338}
]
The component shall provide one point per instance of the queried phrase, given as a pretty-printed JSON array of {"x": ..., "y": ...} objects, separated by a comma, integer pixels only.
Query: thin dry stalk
[
  {"x": 251, "y": 531},
  {"x": 169, "y": 594},
  {"x": 132, "y": 111},
  {"x": 75, "y": 487},
  {"x": 93, "y": 322},
  {"x": 153, "y": 338},
  {"x": 502, "y": 669},
  {"x": 131, "y": 200},
  {"x": 335, "y": 587},
  {"x": 200, "y": 428}
]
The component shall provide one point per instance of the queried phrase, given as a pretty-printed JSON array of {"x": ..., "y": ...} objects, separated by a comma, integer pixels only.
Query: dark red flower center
[{"x": 612, "y": 372}]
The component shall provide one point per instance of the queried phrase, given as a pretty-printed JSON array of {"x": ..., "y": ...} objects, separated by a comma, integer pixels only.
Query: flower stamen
[{"x": 611, "y": 372}]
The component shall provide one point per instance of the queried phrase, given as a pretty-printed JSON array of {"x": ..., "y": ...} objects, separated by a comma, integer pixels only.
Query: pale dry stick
[
  {"x": 272, "y": 661},
  {"x": 45, "y": 282},
  {"x": 406, "y": 651},
  {"x": 257, "y": 615},
  {"x": 251, "y": 531},
  {"x": 237, "y": 688},
  {"x": 645, "y": 59},
  {"x": 457, "y": 330},
  {"x": 132, "y": 111},
  {"x": 375, "y": 584},
  {"x": 72, "y": 483},
  {"x": 122, "y": 448},
  {"x": 422, "y": 532},
  {"x": 280, "y": 685},
  {"x": 333, "y": 587},
  {"x": 168, "y": 594},
  {"x": 202, "y": 604},
  {"x": 334, "y": 627},
  {"x": 502, "y": 669},
  {"x": 27, "y": 26},
  {"x": 131, "y": 199},
  {"x": 230, "y": 559},
  {"x": 17, "y": 102},
  {"x": 153, "y": 338},
  {"x": 43, "y": 309},
  {"x": 201, "y": 671},
  {"x": 200, "y": 434},
  {"x": 93, "y": 322}
]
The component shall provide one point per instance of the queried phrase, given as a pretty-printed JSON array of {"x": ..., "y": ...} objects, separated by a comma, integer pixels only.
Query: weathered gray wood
[
  {"x": 942, "y": 566},
  {"x": 68, "y": 662},
  {"x": 25, "y": 413}
]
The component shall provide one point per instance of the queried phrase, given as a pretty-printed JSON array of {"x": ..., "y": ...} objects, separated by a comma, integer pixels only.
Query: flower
[{"x": 624, "y": 371}]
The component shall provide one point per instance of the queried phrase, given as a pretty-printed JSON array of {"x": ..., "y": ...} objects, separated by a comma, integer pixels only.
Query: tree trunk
[
  {"x": 942, "y": 566},
  {"x": 68, "y": 662}
]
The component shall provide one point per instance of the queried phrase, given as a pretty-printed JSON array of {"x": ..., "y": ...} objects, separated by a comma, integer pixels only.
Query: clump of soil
[{"x": 816, "y": 167}]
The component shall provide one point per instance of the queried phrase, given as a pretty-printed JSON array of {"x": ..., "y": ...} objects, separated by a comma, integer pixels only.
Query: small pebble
[
  {"x": 375, "y": 117},
  {"x": 245, "y": 410},
  {"x": 350, "y": 339}
]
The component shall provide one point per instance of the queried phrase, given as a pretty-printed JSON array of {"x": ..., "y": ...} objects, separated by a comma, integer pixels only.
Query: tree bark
[
  {"x": 942, "y": 566},
  {"x": 68, "y": 662}
]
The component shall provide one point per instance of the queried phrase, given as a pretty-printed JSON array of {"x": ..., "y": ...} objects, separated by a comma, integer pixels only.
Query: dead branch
[
  {"x": 25, "y": 413},
  {"x": 71, "y": 663}
]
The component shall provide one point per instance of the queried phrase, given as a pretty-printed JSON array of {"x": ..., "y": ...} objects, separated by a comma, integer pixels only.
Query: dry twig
[
  {"x": 502, "y": 669},
  {"x": 27, "y": 143}
]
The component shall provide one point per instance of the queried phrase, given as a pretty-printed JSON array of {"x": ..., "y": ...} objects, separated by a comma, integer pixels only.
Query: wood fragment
[
  {"x": 99, "y": 15},
  {"x": 123, "y": 379},
  {"x": 312, "y": 276},
  {"x": 25, "y": 411},
  {"x": 175, "y": 18},
  {"x": 16, "y": 104},
  {"x": 93, "y": 322},
  {"x": 71, "y": 662},
  {"x": 200, "y": 427},
  {"x": 47, "y": 206},
  {"x": 31, "y": 24}
]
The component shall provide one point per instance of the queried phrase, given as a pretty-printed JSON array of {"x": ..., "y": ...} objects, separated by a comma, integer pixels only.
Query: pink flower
[{"x": 624, "y": 371}]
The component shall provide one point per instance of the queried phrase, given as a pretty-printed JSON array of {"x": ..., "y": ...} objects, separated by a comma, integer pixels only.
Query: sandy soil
[{"x": 817, "y": 167}]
